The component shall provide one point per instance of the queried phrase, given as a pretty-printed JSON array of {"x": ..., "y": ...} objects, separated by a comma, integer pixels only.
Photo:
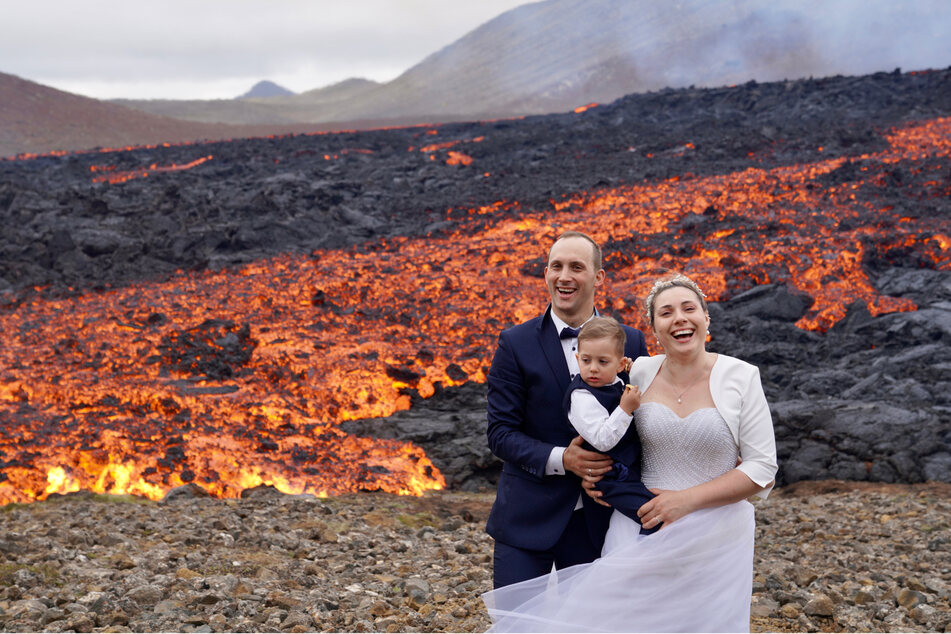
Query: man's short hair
[
  {"x": 603, "y": 328},
  {"x": 595, "y": 248}
]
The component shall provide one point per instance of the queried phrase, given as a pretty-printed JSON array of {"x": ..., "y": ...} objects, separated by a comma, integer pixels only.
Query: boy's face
[{"x": 598, "y": 361}]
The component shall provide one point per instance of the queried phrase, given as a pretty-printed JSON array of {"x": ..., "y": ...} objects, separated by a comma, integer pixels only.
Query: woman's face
[{"x": 680, "y": 324}]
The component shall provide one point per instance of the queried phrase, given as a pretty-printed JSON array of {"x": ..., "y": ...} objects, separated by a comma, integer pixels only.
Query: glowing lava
[{"x": 93, "y": 396}]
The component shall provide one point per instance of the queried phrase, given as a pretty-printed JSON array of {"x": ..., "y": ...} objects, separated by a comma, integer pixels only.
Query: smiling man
[{"x": 539, "y": 517}]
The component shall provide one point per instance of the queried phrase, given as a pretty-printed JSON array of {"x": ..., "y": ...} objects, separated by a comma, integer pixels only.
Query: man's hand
[{"x": 588, "y": 465}]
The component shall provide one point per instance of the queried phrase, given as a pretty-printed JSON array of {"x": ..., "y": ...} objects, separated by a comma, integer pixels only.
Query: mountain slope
[
  {"x": 555, "y": 55},
  {"x": 37, "y": 119}
]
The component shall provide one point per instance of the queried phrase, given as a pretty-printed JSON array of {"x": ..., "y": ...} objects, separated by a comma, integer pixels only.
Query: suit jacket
[{"x": 526, "y": 420}]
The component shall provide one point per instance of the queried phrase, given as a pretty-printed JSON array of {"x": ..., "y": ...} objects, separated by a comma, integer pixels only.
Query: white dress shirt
[
  {"x": 602, "y": 429},
  {"x": 556, "y": 464}
]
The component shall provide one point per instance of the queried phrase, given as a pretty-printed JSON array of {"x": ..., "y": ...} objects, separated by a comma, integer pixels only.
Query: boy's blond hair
[{"x": 602, "y": 328}]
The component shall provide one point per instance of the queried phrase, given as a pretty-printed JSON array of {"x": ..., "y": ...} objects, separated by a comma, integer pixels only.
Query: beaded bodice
[{"x": 683, "y": 452}]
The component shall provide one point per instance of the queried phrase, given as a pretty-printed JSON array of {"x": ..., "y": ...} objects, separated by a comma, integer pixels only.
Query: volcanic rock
[{"x": 868, "y": 399}]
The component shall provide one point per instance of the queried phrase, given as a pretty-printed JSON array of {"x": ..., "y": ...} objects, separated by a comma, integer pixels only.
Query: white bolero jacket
[{"x": 738, "y": 396}]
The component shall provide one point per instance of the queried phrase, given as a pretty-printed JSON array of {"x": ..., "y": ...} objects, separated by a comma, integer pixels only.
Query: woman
[{"x": 708, "y": 445}]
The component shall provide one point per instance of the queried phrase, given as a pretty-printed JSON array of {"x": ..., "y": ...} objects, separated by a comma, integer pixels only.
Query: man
[{"x": 539, "y": 517}]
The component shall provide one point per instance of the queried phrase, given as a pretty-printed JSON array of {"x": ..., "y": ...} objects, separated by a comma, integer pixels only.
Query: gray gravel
[{"x": 831, "y": 556}]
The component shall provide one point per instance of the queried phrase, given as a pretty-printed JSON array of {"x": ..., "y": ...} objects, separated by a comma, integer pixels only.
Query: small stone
[
  {"x": 820, "y": 605},
  {"x": 380, "y": 608},
  {"x": 186, "y": 573},
  {"x": 803, "y": 577},
  {"x": 791, "y": 610},
  {"x": 297, "y": 622},
  {"x": 916, "y": 585},
  {"x": 209, "y": 598},
  {"x": 908, "y": 598},
  {"x": 863, "y": 597},
  {"x": 418, "y": 589},
  {"x": 122, "y": 561},
  {"x": 924, "y": 614},
  {"x": 281, "y": 600},
  {"x": 219, "y": 622},
  {"x": 79, "y": 622},
  {"x": 146, "y": 595},
  {"x": 118, "y": 617},
  {"x": 166, "y": 607},
  {"x": 94, "y": 601},
  {"x": 763, "y": 607},
  {"x": 460, "y": 612},
  {"x": 266, "y": 574},
  {"x": 52, "y": 614}
]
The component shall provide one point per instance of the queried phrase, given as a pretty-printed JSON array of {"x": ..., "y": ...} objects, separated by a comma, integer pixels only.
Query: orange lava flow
[
  {"x": 340, "y": 335},
  {"x": 110, "y": 175}
]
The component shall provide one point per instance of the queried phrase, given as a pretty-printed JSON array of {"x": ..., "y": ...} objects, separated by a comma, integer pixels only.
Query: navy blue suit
[{"x": 526, "y": 420}]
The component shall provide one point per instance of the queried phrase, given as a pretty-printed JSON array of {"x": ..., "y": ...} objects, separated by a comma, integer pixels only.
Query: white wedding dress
[{"x": 695, "y": 575}]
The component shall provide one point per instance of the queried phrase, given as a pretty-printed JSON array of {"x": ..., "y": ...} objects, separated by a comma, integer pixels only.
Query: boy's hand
[
  {"x": 626, "y": 363},
  {"x": 630, "y": 398}
]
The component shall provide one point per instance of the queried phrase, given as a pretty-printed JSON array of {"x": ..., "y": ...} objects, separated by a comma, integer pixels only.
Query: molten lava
[
  {"x": 109, "y": 174},
  {"x": 237, "y": 378}
]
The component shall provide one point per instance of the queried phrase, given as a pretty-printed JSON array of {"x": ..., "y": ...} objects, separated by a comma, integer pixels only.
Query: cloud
[{"x": 188, "y": 49}]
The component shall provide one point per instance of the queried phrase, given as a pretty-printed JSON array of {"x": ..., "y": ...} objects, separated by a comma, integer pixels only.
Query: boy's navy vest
[{"x": 626, "y": 452}]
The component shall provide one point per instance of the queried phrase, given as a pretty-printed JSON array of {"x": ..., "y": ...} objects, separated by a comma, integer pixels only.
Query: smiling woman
[{"x": 110, "y": 49}]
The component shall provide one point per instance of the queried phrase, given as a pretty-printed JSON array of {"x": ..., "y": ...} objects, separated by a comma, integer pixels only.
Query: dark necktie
[{"x": 569, "y": 333}]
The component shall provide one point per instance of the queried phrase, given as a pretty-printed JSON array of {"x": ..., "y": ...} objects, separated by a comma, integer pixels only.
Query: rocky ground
[{"x": 831, "y": 556}]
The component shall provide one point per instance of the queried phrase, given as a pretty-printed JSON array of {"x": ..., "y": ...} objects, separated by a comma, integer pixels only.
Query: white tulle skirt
[{"x": 695, "y": 575}]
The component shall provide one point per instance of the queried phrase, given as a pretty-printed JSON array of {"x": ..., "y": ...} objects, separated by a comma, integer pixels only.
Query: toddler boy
[{"x": 600, "y": 406}]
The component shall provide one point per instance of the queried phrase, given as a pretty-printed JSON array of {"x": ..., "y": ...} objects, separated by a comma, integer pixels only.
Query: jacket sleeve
[
  {"x": 756, "y": 438},
  {"x": 506, "y": 412}
]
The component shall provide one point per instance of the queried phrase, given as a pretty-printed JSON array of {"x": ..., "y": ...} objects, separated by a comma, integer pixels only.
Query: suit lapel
[{"x": 554, "y": 353}]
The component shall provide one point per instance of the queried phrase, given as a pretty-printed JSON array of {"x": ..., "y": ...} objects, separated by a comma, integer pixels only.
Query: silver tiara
[{"x": 669, "y": 282}]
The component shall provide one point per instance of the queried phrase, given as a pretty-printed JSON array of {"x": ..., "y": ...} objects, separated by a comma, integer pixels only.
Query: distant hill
[
  {"x": 279, "y": 110},
  {"x": 266, "y": 89},
  {"x": 38, "y": 119},
  {"x": 555, "y": 55}
]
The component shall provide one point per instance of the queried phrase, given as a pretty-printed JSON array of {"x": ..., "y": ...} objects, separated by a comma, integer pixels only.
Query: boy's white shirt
[{"x": 592, "y": 421}]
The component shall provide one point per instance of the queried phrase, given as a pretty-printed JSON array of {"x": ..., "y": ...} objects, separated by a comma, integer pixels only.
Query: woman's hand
[{"x": 666, "y": 508}]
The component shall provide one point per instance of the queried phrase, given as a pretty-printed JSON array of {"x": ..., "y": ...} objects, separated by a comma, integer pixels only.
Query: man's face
[{"x": 571, "y": 279}]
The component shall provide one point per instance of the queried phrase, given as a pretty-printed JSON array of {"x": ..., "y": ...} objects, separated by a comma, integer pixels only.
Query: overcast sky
[{"x": 218, "y": 49}]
